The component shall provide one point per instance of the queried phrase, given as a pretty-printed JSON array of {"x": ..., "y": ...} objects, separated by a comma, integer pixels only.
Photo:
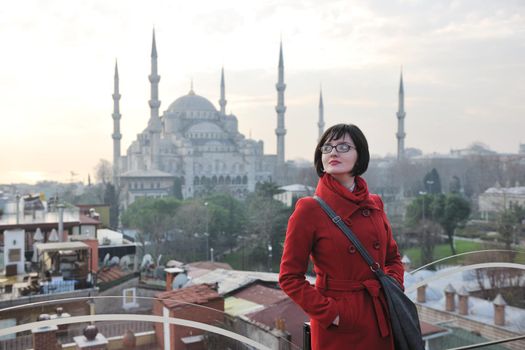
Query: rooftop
[{"x": 196, "y": 294}]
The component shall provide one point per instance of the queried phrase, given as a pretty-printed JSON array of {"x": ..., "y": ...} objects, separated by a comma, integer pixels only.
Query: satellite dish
[
  {"x": 179, "y": 281},
  {"x": 53, "y": 237},
  {"x": 38, "y": 236},
  {"x": 106, "y": 260},
  {"x": 114, "y": 260},
  {"x": 174, "y": 263},
  {"x": 125, "y": 261},
  {"x": 146, "y": 260}
]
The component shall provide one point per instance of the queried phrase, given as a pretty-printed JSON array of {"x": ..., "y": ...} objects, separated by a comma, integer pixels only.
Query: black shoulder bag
[{"x": 403, "y": 313}]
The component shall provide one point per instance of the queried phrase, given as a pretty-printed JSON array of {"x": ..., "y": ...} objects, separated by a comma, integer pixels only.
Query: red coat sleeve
[
  {"x": 393, "y": 266},
  {"x": 300, "y": 238}
]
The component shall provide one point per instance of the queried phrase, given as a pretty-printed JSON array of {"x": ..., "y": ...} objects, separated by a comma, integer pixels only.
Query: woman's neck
[{"x": 346, "y": 180}]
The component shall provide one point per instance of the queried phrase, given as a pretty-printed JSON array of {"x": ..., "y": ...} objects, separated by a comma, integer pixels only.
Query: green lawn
[{"x": 443, "y": 250}]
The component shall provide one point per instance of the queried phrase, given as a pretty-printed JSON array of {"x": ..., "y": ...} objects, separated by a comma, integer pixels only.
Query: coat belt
[{"x": 372, "y": 286}]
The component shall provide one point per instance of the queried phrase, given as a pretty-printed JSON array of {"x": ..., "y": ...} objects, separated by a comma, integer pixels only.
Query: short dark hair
[{"x": 361, "y": 146}]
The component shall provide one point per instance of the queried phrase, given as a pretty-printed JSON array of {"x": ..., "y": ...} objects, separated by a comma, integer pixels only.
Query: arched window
[
  {"x": 245, "y": 180},
  {"x": 228, "y": 180},
  {"x": 214, "y": 180},
  {"x": 196, "y": 181},
  {"x": 238, "y": 180},
  {"x": 203, "y": 180},
  {"x": 221, "y": 180}
]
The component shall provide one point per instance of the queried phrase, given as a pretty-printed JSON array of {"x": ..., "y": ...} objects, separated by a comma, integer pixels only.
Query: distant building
[
  {"x": 293, "y": 192},
  {"x": 192, "y": 148},
  {"x": 497, "y": 199}
]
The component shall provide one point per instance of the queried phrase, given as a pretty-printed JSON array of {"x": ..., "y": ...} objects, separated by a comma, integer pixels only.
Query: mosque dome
[{"x": 191, "y": 103}]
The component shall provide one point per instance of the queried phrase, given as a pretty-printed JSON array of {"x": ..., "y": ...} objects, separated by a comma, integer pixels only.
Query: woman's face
[{"x": 340, "y": 164}]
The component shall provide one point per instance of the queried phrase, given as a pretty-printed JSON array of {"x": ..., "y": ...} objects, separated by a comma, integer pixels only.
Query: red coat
[{"x": 345, "y": 285}]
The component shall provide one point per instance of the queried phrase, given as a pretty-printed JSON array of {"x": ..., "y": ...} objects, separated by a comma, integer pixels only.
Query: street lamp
[
  {"x": 206, "y": 232},
  {"x": 207, "y": 235},
  {"x": 270, "y": 257}
]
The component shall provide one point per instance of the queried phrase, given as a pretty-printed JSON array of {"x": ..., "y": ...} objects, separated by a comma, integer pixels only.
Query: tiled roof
[
  {"x": 208, "y": 265},
  {"x": 111, "y": 274},
  {"x": 196, "y": 294},
  {"x": 260, "y": 294},
  {"x": 429, "y": 329},
  {"x": 293, "y": 316}
]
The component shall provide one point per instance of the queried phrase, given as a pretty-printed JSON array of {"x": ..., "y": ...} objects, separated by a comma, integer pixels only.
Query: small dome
[{"x": 191, "y": 102}]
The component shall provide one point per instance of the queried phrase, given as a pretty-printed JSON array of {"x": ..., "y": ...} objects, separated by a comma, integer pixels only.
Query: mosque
[{"x": 193, "y": 148}]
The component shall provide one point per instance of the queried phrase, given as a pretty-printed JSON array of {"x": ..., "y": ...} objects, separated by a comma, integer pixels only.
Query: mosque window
[
  {"x": 221, "y": 180},
  {"x": 228, "y": 180}
]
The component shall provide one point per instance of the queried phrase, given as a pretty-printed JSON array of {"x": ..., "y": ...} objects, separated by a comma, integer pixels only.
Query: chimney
[
  {"x": 171, "y": 273},
  {"x": 129, "y": 340},
  {"x": 45, "y": 338},
  {"x": 421, "y": 294},
  {"x": 91, "y": 340},
  {"x": 463, "y": 301},
  {"x": 499, "y": 310},
  {"x": 450, "y": 293}
]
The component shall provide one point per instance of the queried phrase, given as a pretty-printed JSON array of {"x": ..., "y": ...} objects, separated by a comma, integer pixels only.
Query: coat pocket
[{"x": 346, "y": 308}]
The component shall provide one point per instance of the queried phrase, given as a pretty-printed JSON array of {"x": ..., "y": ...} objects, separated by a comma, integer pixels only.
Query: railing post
[
  {"x": 166, "y": 328},
  {"x": 306, "y": 336}
]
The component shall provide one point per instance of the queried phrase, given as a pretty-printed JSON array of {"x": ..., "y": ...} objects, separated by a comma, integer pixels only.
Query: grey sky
[{"x": 464, "y": 63}]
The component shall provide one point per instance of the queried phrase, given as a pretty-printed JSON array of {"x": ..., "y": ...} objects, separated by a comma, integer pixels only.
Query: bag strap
[{"x": 374, "y": 265}]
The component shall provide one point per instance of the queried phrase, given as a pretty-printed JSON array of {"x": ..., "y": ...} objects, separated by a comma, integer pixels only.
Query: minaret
[
  {"x": 280, "y": 131},
  {"x": 222, "y": 101},
  {"x": 154, "y": 124},
  {"x": 401, "y": 121},
  {"x": 320, "y": 124},
  {"x": 117, "y": 136}
]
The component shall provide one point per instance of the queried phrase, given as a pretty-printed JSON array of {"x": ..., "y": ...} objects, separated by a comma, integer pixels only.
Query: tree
[
  {"x": 449, "y": 211},
  {"x": 455, "y": 185},
  {"x": 153, "y": 218},
  {"x": 103, "y": 171},
  {"x": 432, "y": 182},
  {"x": 452, "y": 210},
  {"x": 267, "y": 189},
  {"x": 509, "y": 222},
  {"x": 420, "y": 213},
  {"x": 176, "y": 190},
  {"x": 111, "y": 198}
]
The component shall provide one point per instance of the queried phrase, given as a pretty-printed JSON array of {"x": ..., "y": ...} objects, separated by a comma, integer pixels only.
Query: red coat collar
[{"x": 342, "y": 201}]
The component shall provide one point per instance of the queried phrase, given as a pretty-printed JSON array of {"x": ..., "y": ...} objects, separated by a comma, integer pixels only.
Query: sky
[{"x": 463, "y": 65}]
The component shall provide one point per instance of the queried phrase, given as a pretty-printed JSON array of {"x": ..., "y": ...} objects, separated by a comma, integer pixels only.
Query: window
[
  {"x": 129, "y": 299},
  {"x": 14, "y": 255}
]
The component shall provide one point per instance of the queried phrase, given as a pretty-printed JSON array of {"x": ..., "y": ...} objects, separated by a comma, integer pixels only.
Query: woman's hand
[{"x": 336, "y": 321}]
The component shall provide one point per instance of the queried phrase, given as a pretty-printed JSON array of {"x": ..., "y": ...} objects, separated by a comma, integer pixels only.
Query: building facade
[{"x": 193, "y": 148}]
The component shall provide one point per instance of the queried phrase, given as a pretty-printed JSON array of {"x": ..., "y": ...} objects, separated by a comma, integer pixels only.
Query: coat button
[
  {"x": 351, "y": 249},
  {"x": 365, "y": 212},
  {"x": 376, "y": 245}
]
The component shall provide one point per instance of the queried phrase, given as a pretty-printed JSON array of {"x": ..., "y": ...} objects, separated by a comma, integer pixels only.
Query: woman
[{"x": 347, "y": 309}]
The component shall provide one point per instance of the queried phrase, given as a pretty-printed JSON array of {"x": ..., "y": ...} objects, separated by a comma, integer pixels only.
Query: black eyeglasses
[{"x": 340, "y": 148}]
